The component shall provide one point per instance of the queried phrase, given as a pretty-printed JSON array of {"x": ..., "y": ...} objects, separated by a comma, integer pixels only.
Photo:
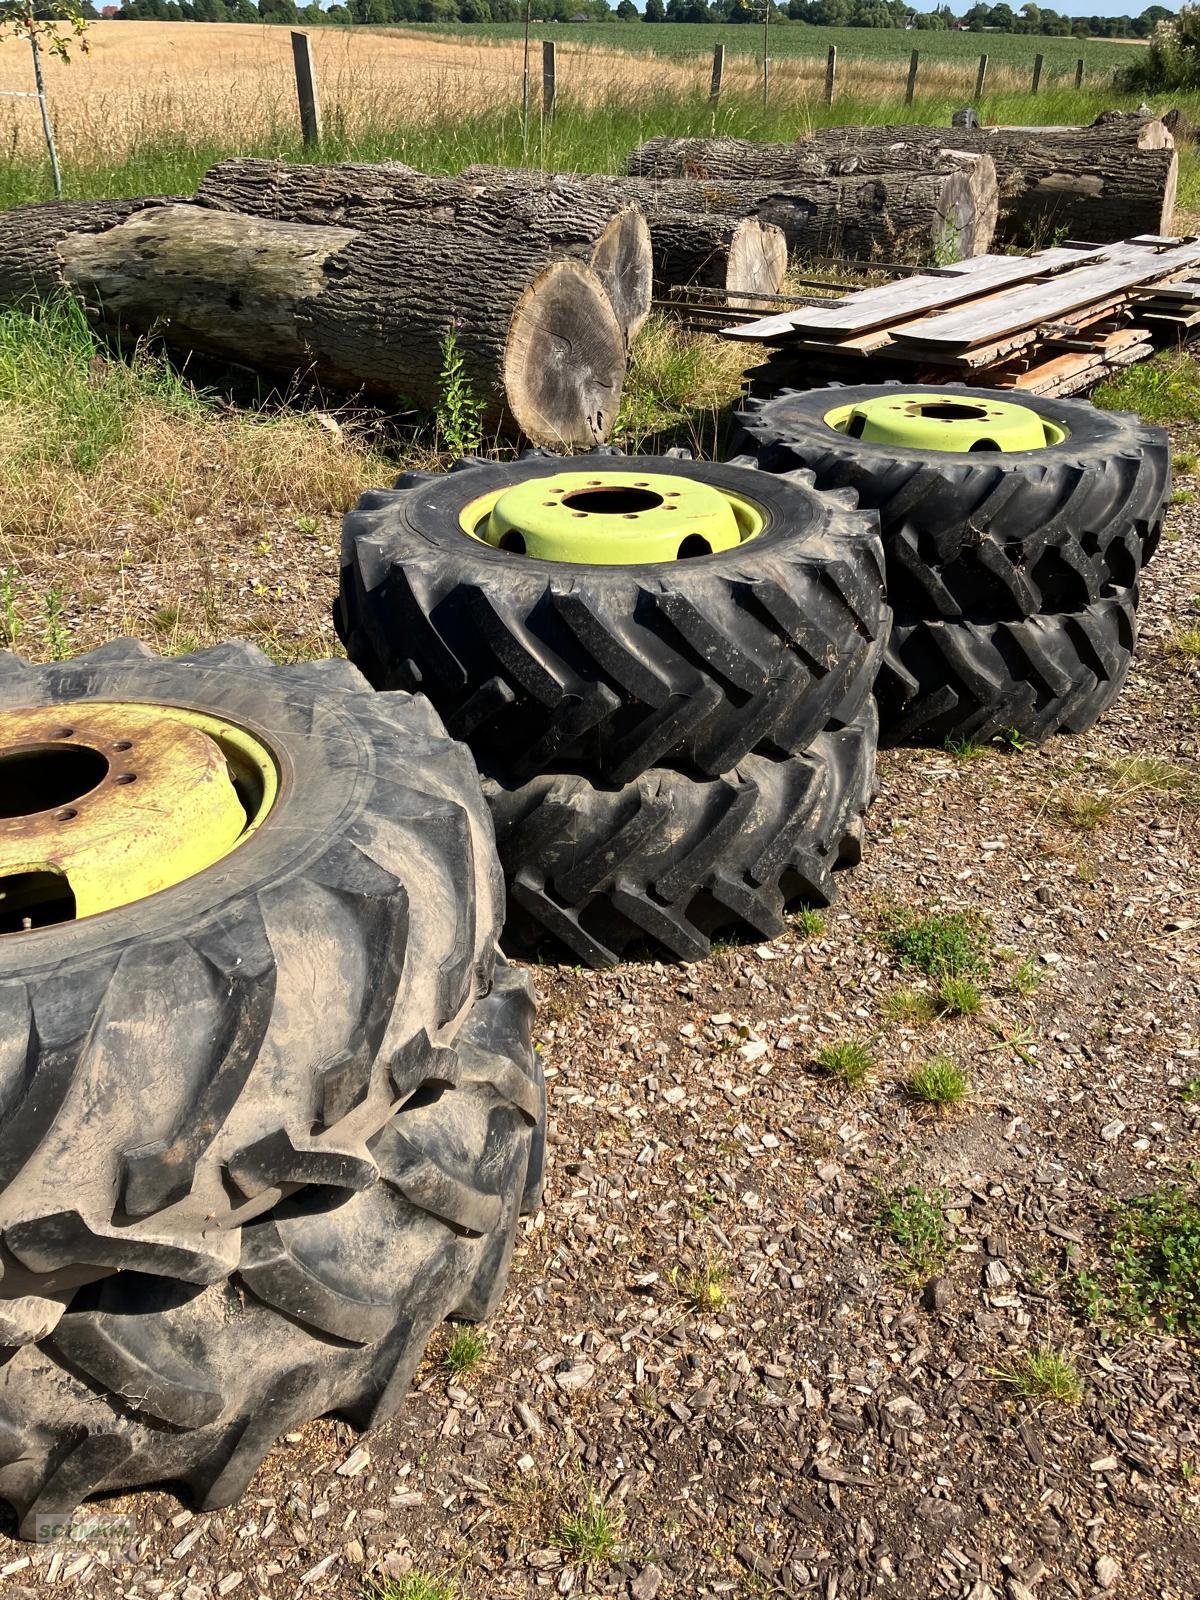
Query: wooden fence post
[
  {"x": 548, "y": 77},
  {"x": 718, "y": 72},
  {"x": 1037, "y": 74},
  {"x": 306, "y": 88},
  {"x": 830, "y": 73},
  {"x": 1079, "y": 73},
  {"x": 911, "y": 86},
  {"x": 980, "y": 78}
]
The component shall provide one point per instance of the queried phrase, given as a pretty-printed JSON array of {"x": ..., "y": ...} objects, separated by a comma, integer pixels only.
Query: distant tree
[
  {"x": 654, "y": 12},
  {"x": 1172, "y": 58},
  {"x": 278, "y": 11},
  {"x": 437, "y": 11},
  {"x": 628, "y": 12},
  {"x": 338, "y": 14}
]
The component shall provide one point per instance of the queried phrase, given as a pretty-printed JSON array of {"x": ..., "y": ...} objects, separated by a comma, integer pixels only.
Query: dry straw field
[{"x": 233, "y": 83}]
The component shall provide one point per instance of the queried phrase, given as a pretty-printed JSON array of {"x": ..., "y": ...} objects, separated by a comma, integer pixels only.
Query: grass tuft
[
  {"x": 941, "y": 944},
  {"x": 960, "y": 997},
  {"x": 589, "y": 1535},
  {"x": 465, "y": 1351},
  {"x": 848, "y": 1060},
  {"x": 940, "y": 1081},
  {"x": 966, "y": 749},
  {"x": 808, "y": 924},
  {"x": 704, "y": 1288},
  {"x": 412, "y": 1586},
  {"x": 1186, "y": 642},
  {"x": 915, "y": 1220},
  {"x": 1164, "y": 390},
  {"x": 909, "y": 1005},
  {"x": 1027, "y": 977},
  {"x": 1043, "y": 1374}
]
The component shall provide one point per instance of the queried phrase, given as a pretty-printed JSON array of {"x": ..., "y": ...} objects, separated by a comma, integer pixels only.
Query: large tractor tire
[
  {"x": 999, "y": 507},
  {"x": 1033, "y": 678},
  {"x": 670, "y": 860},
  {"x": 615, "y": 612},
  {"x": 269, "y": 1111}
]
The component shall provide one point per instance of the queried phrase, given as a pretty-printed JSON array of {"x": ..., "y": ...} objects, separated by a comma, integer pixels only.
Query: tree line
[{"x": 981, "y": 18}]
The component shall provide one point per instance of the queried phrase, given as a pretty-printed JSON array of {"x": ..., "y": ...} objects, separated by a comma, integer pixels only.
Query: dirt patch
[{"x": 706, "y": 1325}]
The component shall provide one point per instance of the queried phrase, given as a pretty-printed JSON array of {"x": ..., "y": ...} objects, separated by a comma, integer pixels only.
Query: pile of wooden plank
[{"x": 1055, "y": 322}]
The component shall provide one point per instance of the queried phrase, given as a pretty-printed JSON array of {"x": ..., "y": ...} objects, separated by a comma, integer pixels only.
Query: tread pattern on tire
[
  {"x": 548, "y": 665},
  {"x": 1035, "y": 677},
  {"x": 671, "y": 859},
  {"x": 147, "y": 1379},
  {"x": 989, "y": 535}
]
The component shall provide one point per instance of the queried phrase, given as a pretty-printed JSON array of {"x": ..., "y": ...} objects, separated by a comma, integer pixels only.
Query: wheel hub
[
  {"x": 942, "y": 420},
  {"x": 102, "y": 804},
  {"x": 611, "y": 518}
]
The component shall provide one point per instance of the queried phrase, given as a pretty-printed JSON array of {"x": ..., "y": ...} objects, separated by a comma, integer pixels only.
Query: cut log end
[
  {"x": 564, "y": 363},
  {"x": 624, "y": 263},
  {"x": 758, "y": 259}
]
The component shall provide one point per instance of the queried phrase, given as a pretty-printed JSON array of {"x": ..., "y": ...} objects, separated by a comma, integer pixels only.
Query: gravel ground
[{"x": 822, "y": 1422}]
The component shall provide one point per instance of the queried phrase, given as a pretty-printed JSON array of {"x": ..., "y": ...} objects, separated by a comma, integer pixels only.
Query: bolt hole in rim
[
  {"x": 937, "y": 422},
  {"x": 81, "y": 834},
  {"x": 612, "y": 518}
]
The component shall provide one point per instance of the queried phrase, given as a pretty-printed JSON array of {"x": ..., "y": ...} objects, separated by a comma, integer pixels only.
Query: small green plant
[
  {"x": 1186, "y": 642},
  {"x": 465, "y": 1351},
  {"x": 966, "y": 749},
  {"x": 809, "y": 924},
  {"x": 589, "y": 1536},
  {"x": 57, "y": 639},
  {"x": 10, "y": 617},
  {"x": 1190, "y": 1092},
  {"x": 1082, "y": 811},
  {"x": 412, "y": 1586},
  {"x": 1184, "y": 464},
  {"x": 848, "y": 1060},
  {"x": 960, "y": 997},
  {"x": 704, "y": 1288},
  {"x": 1043, "y": 1374},
  {"x": 1013, "y": 739},
  {"x": 1155, "y": 1254},
  {"x": 307, "y": 525},
  {"x": 909, "y": 1005},
  {"x": 1027, "y": 977},
  {"x": 915, "y": 1220},
  {"x": 940, "y": 1081},
  {"x": 460, "y": 412},
  {"x": 1182, "y": 497},
  {"x": 942, "y": 944}
]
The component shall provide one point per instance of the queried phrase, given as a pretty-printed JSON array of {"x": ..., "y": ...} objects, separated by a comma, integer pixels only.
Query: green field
[{"x": 678, "y": 40}]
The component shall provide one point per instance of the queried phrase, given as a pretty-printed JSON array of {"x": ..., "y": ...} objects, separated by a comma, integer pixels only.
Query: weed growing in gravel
[
  {"x": 849, "y": 1061},
  {"x": 1186, "y": 642},
  {"x": 1027, "y": 977},
  {"x": 966, "y": 749},
  {"x": 916, "y": 1221},
  {"x": 589, "y": 1535},
  {"x": 809, "y": 924},
  {"x": 465, "y": 1351},
  {"x": 1190, "y": 1093},
  {"x": 1013, "y": 739},
  {"x": 1082, "y": 811},
  {"x": 1155, "y": 1257},
  {"x": 58, "y": 640},
  {"x": 940, "y": 1081},
  {"x": 1182, "y": 497},
  {"x": 460, "y": 410},
  {"x": 1044, "y": 1374},
  {"x": 10, "y": 616},
  {"x": 909, "y": 1005},
  {"x": 960, "y": 997},
  {"x": 412, "y": 1586},
  {"x": 703, "y": 1289},
  {"x": 1184, "y": 463},
  {"x": 943, "y": 944}
]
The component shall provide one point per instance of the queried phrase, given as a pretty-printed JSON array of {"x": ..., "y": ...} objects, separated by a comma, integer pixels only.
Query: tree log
[
  {"x": 740, "y": 256},
  {"x": 364, "y": 311},
  {"x": 567, "y": 219},
  {"x": 747, "y": 160},
  {"x": 917, "y": 216},
  {"x": 1097, "y": 184}
]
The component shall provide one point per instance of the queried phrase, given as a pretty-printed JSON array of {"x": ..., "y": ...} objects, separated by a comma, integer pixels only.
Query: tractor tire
[
  {"x": 616, "y": 668},
  {"x": 264, "y": 1128},
  {"x": 986, "y": 535},
  {"x": 973, "y": 681},
  {"x": 671, "y": 860}
]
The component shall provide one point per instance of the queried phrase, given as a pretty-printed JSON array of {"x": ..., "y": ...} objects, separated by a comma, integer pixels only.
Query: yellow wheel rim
[{"x": 940, "y": 419}]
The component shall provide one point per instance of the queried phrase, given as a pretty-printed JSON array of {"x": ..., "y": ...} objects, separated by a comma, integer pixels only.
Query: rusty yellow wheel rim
[{"x": 105, "y": 803}]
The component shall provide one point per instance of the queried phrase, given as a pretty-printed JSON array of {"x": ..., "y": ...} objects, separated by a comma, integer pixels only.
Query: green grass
[
  {"x": 808, "y": 924},
  {"x": 1164, "y": 390},
  {"x": 703, "y": 1289},
  {"x": 941, "y": 944},
  {"x": 960, "y": 997},
  {"x": 940, "y": 1081},
  {"x": 1026, "y": 978},
  {"x": 589, "y": 1535},
  {"x": 412, "y": 1586},
  {"x": 1043, "y": 1374},
  {"x": 1154, "y": 1257},
  {"x": 966, "y": 749},
  {"x": 849, "y": 1061},
  {"x": 465, "y": 1351},
  {"x": 1186, "y": 642},
  {"x": 1190, "y": 1092},
  {"x": 909, "y": 1005},
  {"x": 915, "y": 1221}
]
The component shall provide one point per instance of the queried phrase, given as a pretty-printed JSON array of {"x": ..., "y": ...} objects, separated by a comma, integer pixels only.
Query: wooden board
[{"x": 1025, "y": 307}]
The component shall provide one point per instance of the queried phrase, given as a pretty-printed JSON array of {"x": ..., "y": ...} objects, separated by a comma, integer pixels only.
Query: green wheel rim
[
  {"x": 609, "y": 519},
  {"x": 937, "y": 420}
]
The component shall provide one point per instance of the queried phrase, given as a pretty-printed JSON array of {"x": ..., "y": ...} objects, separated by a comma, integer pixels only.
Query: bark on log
[
  {"x": 568, "y": 219},
  {"x": 1098, "y": 184},
  {"x": 740, "y": 256},
  {"x": 364, "y": 311},
  {"x": 922, "y": 217},
  {"x": 747, "y": 160}
]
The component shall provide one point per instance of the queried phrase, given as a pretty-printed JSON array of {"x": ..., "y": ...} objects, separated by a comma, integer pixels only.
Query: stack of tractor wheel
[
  {"x": 268, "y": 1100},
  {"x": 1014, "y": 532},
  {"x": 664, "y": 668}
]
